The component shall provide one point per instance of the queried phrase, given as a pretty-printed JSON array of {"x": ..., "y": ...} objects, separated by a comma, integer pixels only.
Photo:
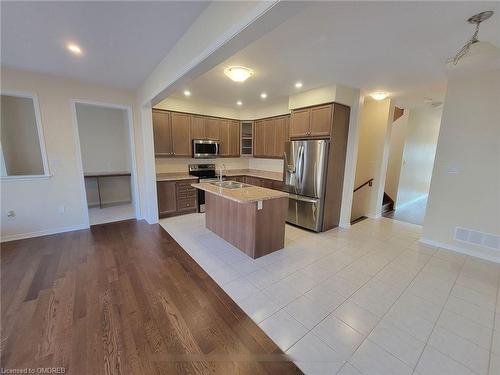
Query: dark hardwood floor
[{"x": 123, "y": 298}]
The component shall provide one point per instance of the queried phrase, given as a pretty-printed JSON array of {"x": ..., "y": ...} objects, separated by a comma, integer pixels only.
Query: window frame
[{"x": 41, "y": 138}]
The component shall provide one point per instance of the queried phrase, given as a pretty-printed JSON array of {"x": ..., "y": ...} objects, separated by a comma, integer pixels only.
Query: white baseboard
[
  {"x": 40, "y": 233},
  {"x": 459, "y": 249}
]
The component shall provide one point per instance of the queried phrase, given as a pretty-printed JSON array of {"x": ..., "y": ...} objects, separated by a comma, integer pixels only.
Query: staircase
[{"x": 387, "y": 205}]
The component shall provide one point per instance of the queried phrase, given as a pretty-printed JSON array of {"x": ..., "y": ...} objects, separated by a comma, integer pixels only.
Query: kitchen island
[{"x": 249, "y": 217}]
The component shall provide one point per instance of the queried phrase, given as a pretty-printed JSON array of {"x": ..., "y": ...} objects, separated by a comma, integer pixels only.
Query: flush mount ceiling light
[
  {"x": 379, "y": 95},
  {"x": 238, "y": 73},
  {"x": 239, "y": 102},
  {"x": 476, "y": 19},
  {"x": 74, "y": 48},
  {"x": 187, "y": 93},
  {"x": 263, "y": 95},
  {"x": 298, "y": 85}
]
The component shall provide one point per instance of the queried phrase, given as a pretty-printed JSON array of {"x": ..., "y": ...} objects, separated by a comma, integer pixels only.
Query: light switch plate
[{"x": 259, "y": 205}]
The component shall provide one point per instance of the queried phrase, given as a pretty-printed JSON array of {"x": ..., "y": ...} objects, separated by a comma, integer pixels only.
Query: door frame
[{"x": 133, "y": 165}]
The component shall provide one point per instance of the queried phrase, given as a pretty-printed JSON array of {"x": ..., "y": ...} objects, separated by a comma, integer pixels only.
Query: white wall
[
  {"x": 465, "y": 187},
  {"x": 104, "y": 138},
  {"x": 398, "y": 136},
  {"x": 373, "y": 151},
  {"x": 418, "y": 156},
  {"x": 38, "y": 202},
  {"x": 192, "y": 106}
]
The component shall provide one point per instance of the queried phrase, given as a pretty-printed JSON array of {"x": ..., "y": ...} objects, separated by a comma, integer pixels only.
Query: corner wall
[
  {"x": 465, "y": 187},
  {"x": 373, "y": 152}
]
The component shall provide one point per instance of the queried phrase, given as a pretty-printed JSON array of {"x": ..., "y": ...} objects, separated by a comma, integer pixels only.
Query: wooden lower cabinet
[
  {"x": 176, "y": 197},
  {"x": 167, "y": 201},
  {"x": 258, "y": 181}
]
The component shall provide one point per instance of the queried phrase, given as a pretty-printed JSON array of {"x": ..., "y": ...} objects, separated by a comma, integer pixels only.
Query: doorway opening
[
  {"x": 107, "y": 159},
  {"x": 412, "y": 149}
]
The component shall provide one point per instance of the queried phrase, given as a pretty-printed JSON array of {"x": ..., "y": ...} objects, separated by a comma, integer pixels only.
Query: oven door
[{"x": 203, "y": 149}]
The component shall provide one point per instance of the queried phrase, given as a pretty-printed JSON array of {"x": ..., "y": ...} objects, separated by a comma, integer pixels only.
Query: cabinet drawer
[
  {"x": 186, "y": 195},
  {"x": 186, "y": 204}
]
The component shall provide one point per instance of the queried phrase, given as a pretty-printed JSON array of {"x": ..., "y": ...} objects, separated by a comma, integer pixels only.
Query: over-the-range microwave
[{"x": 205, "y": 148}]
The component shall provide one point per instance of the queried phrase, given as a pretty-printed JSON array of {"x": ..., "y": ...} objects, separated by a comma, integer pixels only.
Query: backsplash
[
  {"x": 170, "y": 165},
  {"x": 274, "y": 165}
]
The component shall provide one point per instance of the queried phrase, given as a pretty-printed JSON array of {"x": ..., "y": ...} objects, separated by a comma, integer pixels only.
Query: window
[{"x": 22, "y": 147}]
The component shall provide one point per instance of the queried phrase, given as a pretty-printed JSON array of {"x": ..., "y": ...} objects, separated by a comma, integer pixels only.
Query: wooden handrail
[{"x": 369, "y": 182}]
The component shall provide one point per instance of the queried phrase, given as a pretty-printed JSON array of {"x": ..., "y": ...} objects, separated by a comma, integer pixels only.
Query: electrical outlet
[{"x": 11, "y": 215}]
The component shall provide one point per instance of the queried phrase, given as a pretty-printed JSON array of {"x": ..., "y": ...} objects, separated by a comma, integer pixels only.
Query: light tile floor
[
  {"x": 109, "y": 214},
  {"x": 366, "y": 300}
]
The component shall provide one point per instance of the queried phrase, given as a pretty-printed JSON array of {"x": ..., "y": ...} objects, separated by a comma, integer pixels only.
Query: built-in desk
[{"x": 99, "y": 175}]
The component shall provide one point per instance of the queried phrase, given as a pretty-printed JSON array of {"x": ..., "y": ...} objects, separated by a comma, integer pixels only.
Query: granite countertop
[
  {"x": 174, "y": 176},
  {"x": 278, "y": 176},
  {"x": 246, "y": 194}
]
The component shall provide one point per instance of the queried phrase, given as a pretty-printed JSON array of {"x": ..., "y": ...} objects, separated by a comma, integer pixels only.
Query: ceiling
[
  {"x": 122, "y": 42},
  {"x": 396, "y": 47}
]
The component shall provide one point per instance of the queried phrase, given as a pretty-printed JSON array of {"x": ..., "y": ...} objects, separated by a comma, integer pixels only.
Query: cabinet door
[
  {"x": 224, "y": 138},
  {"x": 181, "y": 134},
  {"x": 321, "y": 121},
  {"x": 259, "y": 139},
  {"x": 198, "y": 127},
  {"x": 299, "y": 123},
  {"x": 162, "y": 133},
  {"x": 212, "y": 128},
  {"x": 166, "y": 197},
  {"x": 234, "y": 138},
  {"x": 269, "y": 137},
  {"x": 282, "y": 125}
]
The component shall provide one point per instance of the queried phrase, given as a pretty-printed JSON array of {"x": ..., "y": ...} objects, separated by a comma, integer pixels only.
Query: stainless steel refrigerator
[{"x": 304, "y": 175}]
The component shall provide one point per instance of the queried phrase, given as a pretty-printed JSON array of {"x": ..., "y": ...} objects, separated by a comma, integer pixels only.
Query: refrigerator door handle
[
  {"x": 287, "y": 166},
  {"x": 303, "y": 198}
]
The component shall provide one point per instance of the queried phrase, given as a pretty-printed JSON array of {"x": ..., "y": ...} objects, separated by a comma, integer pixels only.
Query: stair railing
[{"x": 369, "y": 183}]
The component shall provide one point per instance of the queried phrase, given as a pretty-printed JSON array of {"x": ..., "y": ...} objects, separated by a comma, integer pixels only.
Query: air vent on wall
[{"x": 474, "y": 237}]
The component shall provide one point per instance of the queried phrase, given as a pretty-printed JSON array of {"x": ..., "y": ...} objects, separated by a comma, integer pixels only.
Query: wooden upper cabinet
[
  {"x": 282, "y": 125},
  {"x": 300, "y": 123},
  {"x": 181, "y": 134},
  {"x": 259, "y": 139},
  {"x": 321, "y": 121},
  {"x": 224, "y": 138},
  {"x": 212, "y": 128},
  {"x": 312, "y": 122},
  {"x": 162, "y": 133},
  {"x": 269, "y": 137},
  {"x": 198, "y": 127},
  {"x": 234, "y": 138}
]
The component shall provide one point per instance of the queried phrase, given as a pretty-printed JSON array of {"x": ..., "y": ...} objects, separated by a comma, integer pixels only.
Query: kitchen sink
[{"x": 230, "y": 184}]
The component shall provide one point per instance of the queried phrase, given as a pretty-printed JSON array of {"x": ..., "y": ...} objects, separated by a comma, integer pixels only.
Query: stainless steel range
[{"x": 205, "y": 173}]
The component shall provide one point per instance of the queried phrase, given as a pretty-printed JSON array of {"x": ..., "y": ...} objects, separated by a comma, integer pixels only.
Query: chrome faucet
[{"x": 221, "y": 170}]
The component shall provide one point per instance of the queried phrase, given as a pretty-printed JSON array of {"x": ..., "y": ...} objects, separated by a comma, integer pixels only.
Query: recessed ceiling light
[
  {"x": 73, "y": 48},
  {"x": 187, "y": 93},
  {"x": 238, "y": 73},
  {"x": 380, "y": 95},
  {"x": 298, "y": 85},
  {"x": 239, "y": 102},
  {"x": 263, "y": 95}
]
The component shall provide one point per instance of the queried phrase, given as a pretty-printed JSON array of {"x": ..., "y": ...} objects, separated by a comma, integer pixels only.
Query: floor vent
[{"x": 477, "y": 238}]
